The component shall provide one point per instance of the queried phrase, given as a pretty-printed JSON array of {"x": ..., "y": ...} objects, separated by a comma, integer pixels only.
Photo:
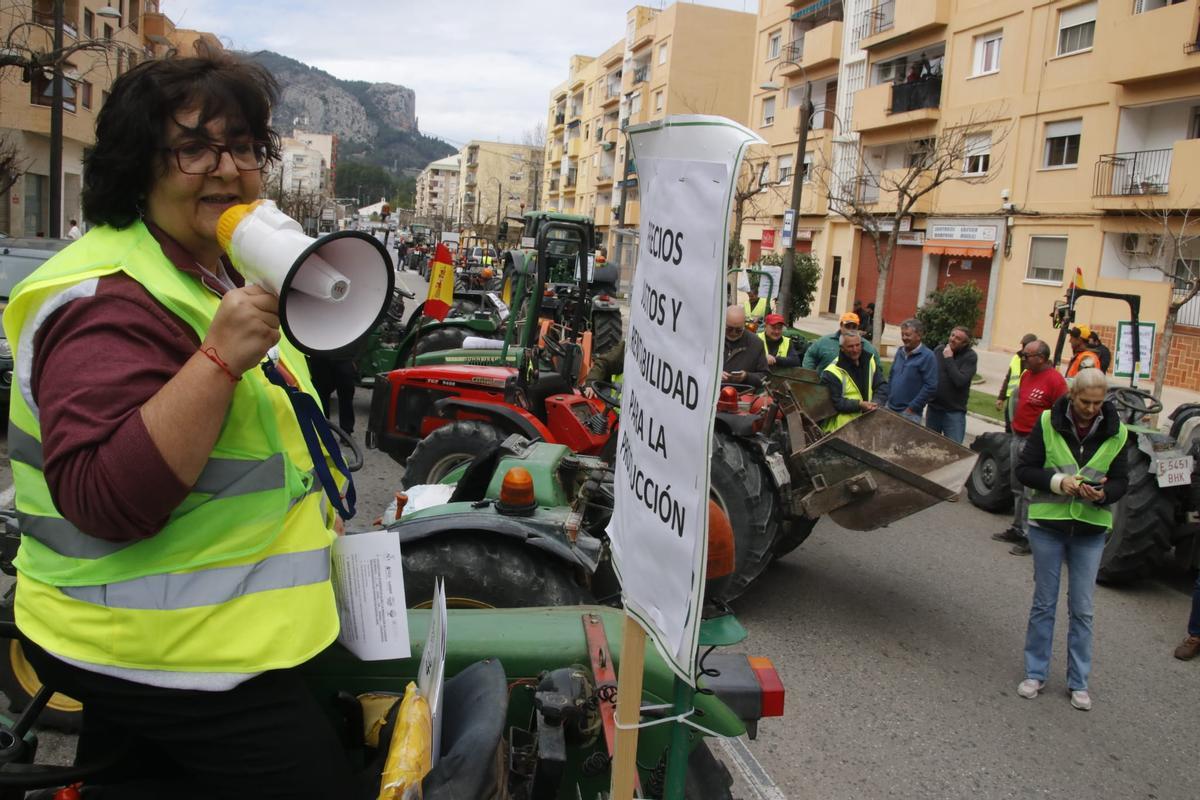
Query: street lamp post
[{"x": 784, "y": 297}]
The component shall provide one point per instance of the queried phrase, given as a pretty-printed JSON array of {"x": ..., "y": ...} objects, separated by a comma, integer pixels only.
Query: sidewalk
[{"x": 993, "y": 364}]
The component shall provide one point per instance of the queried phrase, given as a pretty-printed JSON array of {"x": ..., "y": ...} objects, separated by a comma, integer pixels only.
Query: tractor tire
[
  {"x": 990, "y": 484},
  {"x": 440, "y": 339},
  {"x": 20, "y": 683},
  {"x": 743, "y": 488},
  {"x": 483, "y": 570},
  {"x": 1143, "y": 520},
  {"x": 606, "y": 331},
  {"x": 448, "y": 447},
  {"x": 794, "y": 534}
]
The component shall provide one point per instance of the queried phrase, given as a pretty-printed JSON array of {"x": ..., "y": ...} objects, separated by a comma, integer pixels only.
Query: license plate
[
  {"x": 779, "y": 469},
  {"x": 1175, "y": 471}
]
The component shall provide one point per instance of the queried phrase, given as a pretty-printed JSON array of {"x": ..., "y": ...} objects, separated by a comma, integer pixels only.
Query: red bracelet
[{"x": 211, "y": 352}]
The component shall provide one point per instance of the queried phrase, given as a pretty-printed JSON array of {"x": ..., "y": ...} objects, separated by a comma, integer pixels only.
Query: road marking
[{"x": 755, "y": 776}]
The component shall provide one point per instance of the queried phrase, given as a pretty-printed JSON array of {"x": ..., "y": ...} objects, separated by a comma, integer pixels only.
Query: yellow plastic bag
[{"x": 410, "y": 753}]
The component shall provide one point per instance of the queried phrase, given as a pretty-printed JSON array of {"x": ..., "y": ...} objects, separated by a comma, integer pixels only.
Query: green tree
[
  {"x": 948, "y": 308},
  {"x": 365, "y": 182}
]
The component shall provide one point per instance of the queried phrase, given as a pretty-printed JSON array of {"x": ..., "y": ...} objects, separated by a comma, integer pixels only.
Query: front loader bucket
[{"x": 881, "y": 468}]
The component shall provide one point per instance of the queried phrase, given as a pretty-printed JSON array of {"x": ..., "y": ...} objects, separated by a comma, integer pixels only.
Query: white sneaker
[
  {"x": 1081, "y": 699},
  {"x": 1029, "y": 688}
]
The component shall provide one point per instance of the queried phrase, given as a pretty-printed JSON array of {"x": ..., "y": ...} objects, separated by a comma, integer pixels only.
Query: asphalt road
[{"x": 900, "y": 650}]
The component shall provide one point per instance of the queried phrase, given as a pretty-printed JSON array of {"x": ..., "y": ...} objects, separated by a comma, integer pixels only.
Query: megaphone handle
[{"x": 316, "y": 431}]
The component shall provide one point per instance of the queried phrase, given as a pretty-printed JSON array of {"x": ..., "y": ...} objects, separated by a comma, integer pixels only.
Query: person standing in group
[
  {"x": 152, "y": 475},
  {"x": 1008, "y": 386},
  {"x": 1100, "y": 349},
  {"x": 1075, "y": 464},
  {"x": 855, "y": 383},
  {"x": 1039, "y": 388},
  {"x": 957, "y": 362},
  {"x": 756, "y": 307},
  {"x": 914, "y": 377},
  {"x": 824, "y": 350},
  {"x": 1083, "y": 356},
  {"x": 780, "y": 352},
  {"x": 335, "y": 373}
]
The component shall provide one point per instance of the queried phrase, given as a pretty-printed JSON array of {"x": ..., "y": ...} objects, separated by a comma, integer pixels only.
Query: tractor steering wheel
[
  {"x": 1137, "y": 402},
  {"x": 351, "y": 450},
  {"x": 554, "y": 347},
  {"x": 609, "y": 393}
]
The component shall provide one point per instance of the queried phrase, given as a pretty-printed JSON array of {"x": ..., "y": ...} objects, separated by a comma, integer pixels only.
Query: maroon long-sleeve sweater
[{"x": 96, "y": 361}]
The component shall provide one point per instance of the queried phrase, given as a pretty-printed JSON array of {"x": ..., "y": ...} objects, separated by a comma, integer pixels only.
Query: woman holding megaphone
[{"x": 174, "y": 561}]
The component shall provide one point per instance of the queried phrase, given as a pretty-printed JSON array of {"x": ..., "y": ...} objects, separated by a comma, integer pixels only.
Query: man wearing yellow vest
[
  {"x": 855, "y": 385},
  {"x": 755, "y": 307},
  {"x": 780, "y": 352},
  {"x": 1074, "y": 461},
  {"x": 175, "y": 551},
  {"x": 1011, "y": 380}
]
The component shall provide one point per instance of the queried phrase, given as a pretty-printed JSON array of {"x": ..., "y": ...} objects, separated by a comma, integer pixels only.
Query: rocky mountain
[{"x": 376, "y": 123}]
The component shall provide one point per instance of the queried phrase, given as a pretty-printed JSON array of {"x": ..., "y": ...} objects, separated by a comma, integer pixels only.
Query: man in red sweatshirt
[{"x": 1040, "y": 386}]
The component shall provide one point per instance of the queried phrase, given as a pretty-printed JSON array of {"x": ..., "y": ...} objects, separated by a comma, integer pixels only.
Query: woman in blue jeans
[{"x": 1074, "y": 461}]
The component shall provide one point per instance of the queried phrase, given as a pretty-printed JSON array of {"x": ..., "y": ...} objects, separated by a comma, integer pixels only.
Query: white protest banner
[
  {"x": 1124, "y": 355},
  {"x": 659, "y": 530}
]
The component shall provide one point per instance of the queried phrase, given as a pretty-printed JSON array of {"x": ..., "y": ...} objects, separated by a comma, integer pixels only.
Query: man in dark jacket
[
  {"x": 957, "y": 362},
  {"x": 855, "y": 384},
  {"x": 1076, "y": 464},
  {"x": 745, "y": 356},
  {"x": 1101, "y": 350},
  {"x": 914, "y": 375}
]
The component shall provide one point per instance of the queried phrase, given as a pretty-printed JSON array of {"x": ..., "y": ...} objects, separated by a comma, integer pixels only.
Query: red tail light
[
  {"x": 603, "y": 298},
  {"x": 772, "y": 687}
]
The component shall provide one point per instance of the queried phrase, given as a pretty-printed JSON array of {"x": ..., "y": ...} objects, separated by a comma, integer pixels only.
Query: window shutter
[
  {"x": 1065, "y": 127},
  {"x": 1077, "y": 15}
]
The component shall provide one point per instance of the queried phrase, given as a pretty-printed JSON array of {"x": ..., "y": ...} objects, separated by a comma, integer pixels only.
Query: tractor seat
[{"x": 548, "y": 384}]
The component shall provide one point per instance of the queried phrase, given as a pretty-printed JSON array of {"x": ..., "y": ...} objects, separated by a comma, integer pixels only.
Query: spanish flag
[
  {"x": 441, "y": 284},
  {"x": 1077, "y": 281}
]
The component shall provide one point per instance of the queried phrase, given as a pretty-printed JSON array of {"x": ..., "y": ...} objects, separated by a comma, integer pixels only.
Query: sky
[{"x": 481, "y": 69}]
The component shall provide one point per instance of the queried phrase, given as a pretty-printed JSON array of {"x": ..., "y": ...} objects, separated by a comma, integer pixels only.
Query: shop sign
[
  {"x": 768, "y": 238},
  {"x": 963, "y": 233}
]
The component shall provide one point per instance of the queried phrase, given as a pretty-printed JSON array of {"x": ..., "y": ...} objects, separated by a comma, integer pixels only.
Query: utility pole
[
  {"x": 56, "y": 126},
  {"x": 783, "y": 304}
]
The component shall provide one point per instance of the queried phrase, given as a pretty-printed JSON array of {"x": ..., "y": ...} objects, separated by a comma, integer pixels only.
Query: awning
[
  {"x": 813, "y": 8},
  {"x": 935, "y": 247}
]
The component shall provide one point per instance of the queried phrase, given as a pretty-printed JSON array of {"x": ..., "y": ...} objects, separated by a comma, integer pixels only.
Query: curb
[{"x": 986, "y": 419}]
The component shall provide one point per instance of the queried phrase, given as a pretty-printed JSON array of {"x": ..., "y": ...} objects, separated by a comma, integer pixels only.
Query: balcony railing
[
  {"x": 867, "y": 191},
  {"x": 1135, "y": 172},
  {"x": 641, "y": 74},
  {"x": 794, "y": 51},
  {"x": 612, "y": 90},
  {"x": 918, "y": 94},
  {"x": 879, "y": 19},
  {"x": 554, "y": 184},
  {"x": 560, "y": 118}
]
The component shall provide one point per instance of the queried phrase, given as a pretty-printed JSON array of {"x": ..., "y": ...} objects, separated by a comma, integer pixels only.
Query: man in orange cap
[
  {"x": 780, "y": 352},
  {"x": 824, "y": 351},
  {"x": 1084, "y": 356}
]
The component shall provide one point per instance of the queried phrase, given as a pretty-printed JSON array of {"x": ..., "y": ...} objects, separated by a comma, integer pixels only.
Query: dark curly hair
[{"x": 130, "y": 130}]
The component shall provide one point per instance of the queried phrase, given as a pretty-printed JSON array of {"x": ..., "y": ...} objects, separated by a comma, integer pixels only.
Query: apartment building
[
  {"x": 99, "y": 45},
  {"x": 436, "y": 201},
  {"x": 685, "y": 59},
  {"x": 301, "y": 170},
  {"x": 497, "y": 180},
  {"x": 1084, "y": 118},
  {"x": 326, "y": 145}
]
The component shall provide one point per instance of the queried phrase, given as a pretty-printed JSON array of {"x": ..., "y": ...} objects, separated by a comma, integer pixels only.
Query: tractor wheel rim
[
  {"x": 26, "y": 676},
  {"x": 985, "y": 476},
  {"x": 445, "y": 465}
]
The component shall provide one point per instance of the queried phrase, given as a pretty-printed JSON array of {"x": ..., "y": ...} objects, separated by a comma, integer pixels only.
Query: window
[
  {"x": 40, "y": 90},
  {"x": 1076, "y": 28},
  {"x": 918, "y": 153},
  {"x": 1062, "y": 143},
  {"x": 1142, "y": 6},
  {"x": 658, "y": 101},
  {"x": 108, "y": 31},
  {"x": 774, "y": 44},
  {"x": 808, "y": 162},
  {"x": 89, "y": 24},
  {"x": 1047, "y": 258},
  {"x": 764, "y": 176},
  {"x": 890, "y": 71},
  {"x": 1194, "y": 126},
  {"x": 784, "y": 167},
  {"x": 662, "y": 54},
  {"x": 589, "y": 96},
  {"x": 85, "y": 94},
  {"x": 635, "y": 102},
  {"x": 768, "y": 117},
  {"x": 987, "y": 53},
  {"x": 977, "y": 154}
]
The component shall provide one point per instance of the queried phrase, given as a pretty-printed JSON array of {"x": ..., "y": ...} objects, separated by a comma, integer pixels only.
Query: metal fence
[
  {"x": 925, "y": 93},
  {"x": 1135, "y": 172}
]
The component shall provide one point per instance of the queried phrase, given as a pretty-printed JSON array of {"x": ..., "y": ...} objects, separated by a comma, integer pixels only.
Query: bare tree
[
  {"x": 750, "y": 194},
  {"x": 535, "y": 134},
  {"x": 1171, "y": 237},
  {"x": 12, "y": 164},
  {"x": 954, "y": 156}
]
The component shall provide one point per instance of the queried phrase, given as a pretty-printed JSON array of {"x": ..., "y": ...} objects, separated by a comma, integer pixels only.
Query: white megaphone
[{"x": 331, "y": 290}]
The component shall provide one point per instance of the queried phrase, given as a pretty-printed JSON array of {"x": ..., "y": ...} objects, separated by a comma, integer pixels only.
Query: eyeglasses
[
  {"x": 199, "y": 158},
  {"x": 734, "y": 329}
]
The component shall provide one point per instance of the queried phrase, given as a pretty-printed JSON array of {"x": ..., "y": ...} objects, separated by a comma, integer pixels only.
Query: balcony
[
  {"x": 605, "y": 176},
  {"x": 822, "y": 45},
  {"x": 641, "y": 74},
  {"x": 1162, "y": 179},
  {"x": 556, "y": 155},
  {"x": 469, "y": 180},
  {"x": 574, "y": 147},
  {"x": 572, "y": 179},
  {"x": 554, "y": 186},
  {"x": 886, "y": 23},
  {"x": 889, "y": 105},
  {"x": 1169, "y": 32},
  {"x": 879, "y": 192},
  {"x": 560, "y": 119},
  {"x": 612, "y": 95},
  {"x": 793, "y": 52}
]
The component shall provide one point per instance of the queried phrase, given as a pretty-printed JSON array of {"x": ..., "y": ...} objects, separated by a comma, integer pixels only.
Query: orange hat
[
  {"x": 774, "y": 319},
  {"x": 849, "y": 316}
]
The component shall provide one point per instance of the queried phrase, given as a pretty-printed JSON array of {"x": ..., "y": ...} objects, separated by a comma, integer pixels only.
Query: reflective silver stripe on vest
[
  {"x": 1072, "y": 469},
  {"x": 208, "y": 587},
  {"x": 230, "y": 477},
  {"x": 65, "y": 539},
  {"x": 24, "y": 448}
]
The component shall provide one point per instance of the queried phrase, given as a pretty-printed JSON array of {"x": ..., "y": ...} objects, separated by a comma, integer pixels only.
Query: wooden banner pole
[{"x": 629, "y": 704}]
